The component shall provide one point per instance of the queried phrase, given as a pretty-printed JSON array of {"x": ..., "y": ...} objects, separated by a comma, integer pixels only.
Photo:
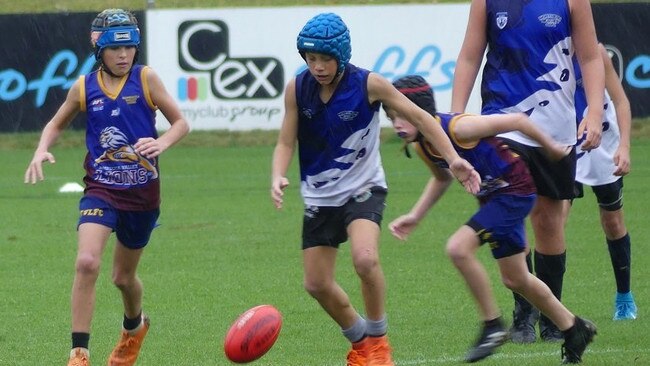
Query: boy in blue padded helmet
[
  {"x": 332, "y": 112},
  {"x": 120, "y": 101}
]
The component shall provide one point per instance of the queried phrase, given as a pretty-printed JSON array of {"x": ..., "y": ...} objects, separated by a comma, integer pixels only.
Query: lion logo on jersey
[{"x": 118, "y": 149}]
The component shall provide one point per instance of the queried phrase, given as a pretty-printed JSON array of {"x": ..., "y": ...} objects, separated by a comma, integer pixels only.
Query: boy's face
[
  {"x": 119, "y": 59},
  {"x": 322, "y": 67},
  {"x": 403, "y": 128}
]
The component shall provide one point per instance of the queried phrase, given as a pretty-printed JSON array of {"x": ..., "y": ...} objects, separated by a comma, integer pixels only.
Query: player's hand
[
  {"x": 402, "y": 226},
  {"x": 592, "y": 129},
  {"x": 466, "y": 175},
  {"x": 34, "y": 171},
  {"x": 149, "y": 147},
  {"x": 277, "y": 190},
  {"x": 622, "y": 161}
]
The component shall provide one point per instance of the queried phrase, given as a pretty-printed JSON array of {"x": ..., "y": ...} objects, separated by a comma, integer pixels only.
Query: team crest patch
[
  {"x": 347, "y": 115},
  {"x": 307, "y": 113},
  {"x": 131, "y": 99},
  {"x": 550, "y": 20},
  {"x": 502, "y": 19}
]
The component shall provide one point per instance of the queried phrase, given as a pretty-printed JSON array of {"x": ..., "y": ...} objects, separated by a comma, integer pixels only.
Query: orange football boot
[
  {"x": 379, "y": 352},
  {"x": 128, "y": 347},
  {"x": 358, "y": 353},
  {"x": 79, "y": 357}
]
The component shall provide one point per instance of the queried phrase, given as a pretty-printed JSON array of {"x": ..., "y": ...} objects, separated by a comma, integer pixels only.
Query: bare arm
[
  {"x": 51, "y": 132},
  {"x": 285, "y": 145},
  {"x": 591, "y": 65},
  {"x": 469, "y": 128},
  {"x": 379, "y": 89},
  {"x": 470, "y": 56},
  {"x": 151, "y": 147},
  {"x": 437, "y": 185},
  {"x": 623, "y": 114}
]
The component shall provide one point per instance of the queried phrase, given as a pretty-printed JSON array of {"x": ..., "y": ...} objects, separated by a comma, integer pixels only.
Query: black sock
[
  {"x": 80, "y": 340},
  {"x": 621, "y": 256},
  {"x": 130, "y": 324},
  {"x": 550, "y": 269}
]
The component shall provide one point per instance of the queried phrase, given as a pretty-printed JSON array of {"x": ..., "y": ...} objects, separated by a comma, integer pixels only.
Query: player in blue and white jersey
[
  {"x": 603, "y": 169},
  {"x": 122, "y": 180},
  {"x": 506, "y": 197},
  {"x": 528, "y": 68},
  {"x": 332, "y": 113}
]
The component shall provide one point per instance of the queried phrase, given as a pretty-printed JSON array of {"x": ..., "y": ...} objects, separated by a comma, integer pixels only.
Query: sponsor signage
[{"x": 228, "y": 67}]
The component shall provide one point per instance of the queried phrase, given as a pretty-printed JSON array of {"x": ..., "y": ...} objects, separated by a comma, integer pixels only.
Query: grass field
[{"x": 222, "y": 248}]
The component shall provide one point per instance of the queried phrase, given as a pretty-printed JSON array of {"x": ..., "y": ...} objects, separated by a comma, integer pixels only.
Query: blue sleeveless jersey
[
  {"x": 528, "y": 65},
  {"x": 338, "y": 140},
  {"x": 501, "y": 170},
  {"x": 115, "y": 172}
]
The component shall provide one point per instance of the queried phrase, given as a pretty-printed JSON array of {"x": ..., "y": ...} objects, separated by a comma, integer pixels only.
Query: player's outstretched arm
[
  {"x": 469, "y": 128},
  {"x": 379, "y": 89},
  {"x": 436, "y": 187},
  {"x": 284, "y": 148},
  {"x": 51, "y": 132}
]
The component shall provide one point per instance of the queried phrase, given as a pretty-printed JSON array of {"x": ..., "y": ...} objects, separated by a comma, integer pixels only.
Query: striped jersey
[{"x": 338, "y": 141}]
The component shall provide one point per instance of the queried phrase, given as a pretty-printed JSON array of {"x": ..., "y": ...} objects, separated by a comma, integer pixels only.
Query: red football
[{"x": 253, "y": 334}]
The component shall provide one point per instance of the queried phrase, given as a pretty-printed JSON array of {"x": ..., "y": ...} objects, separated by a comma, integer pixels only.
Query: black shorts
[
  {"x": 609, "y": 196},
  {"x": 327, "y": 226},
  {"x": 553, "y": 179}
]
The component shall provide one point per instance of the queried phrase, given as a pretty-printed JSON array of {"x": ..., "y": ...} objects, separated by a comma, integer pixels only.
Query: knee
[
  {"x": 87, "y": 264},
  {"x": 122, "y": 280},
  {"x": 613, "y": 226},
  {"x": 457, "y": 252},
  {"x": 315, "y": 288},
  {"x": 365, "y": 263},
  {"x": 514, "y": 284}
]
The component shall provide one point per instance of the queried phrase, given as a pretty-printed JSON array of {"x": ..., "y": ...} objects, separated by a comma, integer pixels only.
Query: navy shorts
[
  {"x": 553, "y": 179},
  {"x": 500, "y": 222},
  {"x": 609, "y": 196},
  {"x": 327, "y": 226},
  {"x": 132, "y": 228}
]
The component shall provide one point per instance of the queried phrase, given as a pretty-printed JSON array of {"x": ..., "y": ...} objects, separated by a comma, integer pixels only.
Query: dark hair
[{"x": 418, "y": 91}]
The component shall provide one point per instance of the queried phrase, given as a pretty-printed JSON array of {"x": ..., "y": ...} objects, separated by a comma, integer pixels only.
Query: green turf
[{"x": 223, "y": 248}]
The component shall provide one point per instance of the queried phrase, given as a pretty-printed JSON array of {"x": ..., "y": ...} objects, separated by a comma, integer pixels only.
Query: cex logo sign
[{"x": 204, "y": 48}]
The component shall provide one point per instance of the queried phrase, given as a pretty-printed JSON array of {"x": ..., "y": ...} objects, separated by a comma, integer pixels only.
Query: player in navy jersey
[
  {"x": 603, "y": 169},
  {"x": 529, "y": 69},
  {"x": 506, "y": 197},
  {"x": 332, "y": 112},
  {"x": 122, "y": 182}
]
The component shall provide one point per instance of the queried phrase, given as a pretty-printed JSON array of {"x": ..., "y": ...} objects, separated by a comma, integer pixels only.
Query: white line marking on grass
[{"x": 515, "y": 356}]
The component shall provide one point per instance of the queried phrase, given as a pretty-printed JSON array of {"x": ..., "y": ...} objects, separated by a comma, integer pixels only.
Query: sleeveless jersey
[
  {"x": 339, "y": 140},
  {"x": 115, "y": 172},
  {"x": 501, "y": 170},
  {"x": 528, "y": 66},
  {"x": 596, "y": 167}
]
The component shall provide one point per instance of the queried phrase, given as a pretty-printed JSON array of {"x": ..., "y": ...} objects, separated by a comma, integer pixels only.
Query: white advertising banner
[{"x": 227, "y": 68}]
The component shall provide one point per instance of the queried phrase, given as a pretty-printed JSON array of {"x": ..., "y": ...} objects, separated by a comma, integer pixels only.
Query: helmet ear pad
[{"x": 327, "y": 34}]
